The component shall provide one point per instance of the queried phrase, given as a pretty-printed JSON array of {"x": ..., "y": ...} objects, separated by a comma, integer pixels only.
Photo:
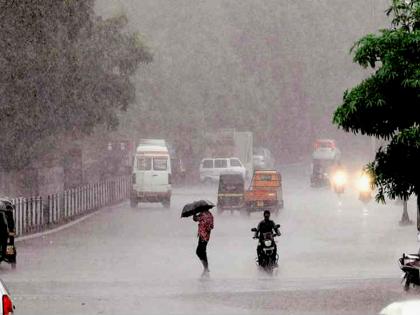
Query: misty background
[
  {"x": 116, "y": 71},
  {"x": 277, "y": 68}
]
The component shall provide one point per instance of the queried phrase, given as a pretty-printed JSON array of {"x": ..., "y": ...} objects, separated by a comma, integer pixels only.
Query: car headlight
[{"x": 267, "y": 243}]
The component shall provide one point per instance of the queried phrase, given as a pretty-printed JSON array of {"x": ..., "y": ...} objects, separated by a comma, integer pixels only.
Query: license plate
[
  {"x": 10, "y": 250},
  {"x": 260, "y": 203}
]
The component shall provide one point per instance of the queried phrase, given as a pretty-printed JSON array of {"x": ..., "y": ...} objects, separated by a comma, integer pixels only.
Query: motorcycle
[
  {"x": 320, "y": 180},
  {"x": 267, "y": 257},
  {"x": 9, "y": 253},
  {"x": 410, "y": 266},
  {"x": 339, "y": 181},
  {"x": 364, "y": 185}
]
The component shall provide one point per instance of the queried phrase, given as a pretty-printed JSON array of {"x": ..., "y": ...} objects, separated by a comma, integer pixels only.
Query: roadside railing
[{"x": 37, "y": 214}]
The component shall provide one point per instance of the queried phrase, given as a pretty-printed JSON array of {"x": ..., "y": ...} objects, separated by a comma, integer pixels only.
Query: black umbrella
[{"x": 196, "y": 207}]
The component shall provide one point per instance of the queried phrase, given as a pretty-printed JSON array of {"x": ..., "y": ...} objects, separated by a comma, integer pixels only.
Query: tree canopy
[
  {"x": 63, "y": 72},
  {"x": 387, "y": 104}
]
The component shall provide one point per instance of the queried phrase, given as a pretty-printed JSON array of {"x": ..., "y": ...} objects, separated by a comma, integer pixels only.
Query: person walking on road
[{"x": 205, "y": 225}]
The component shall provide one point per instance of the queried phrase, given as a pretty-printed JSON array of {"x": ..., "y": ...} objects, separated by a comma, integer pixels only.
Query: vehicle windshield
[{"x": 231, "y": 180}]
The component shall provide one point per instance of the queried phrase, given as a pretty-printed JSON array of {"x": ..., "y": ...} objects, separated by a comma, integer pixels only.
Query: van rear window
[
  {"x": 160, "y": 164},
  {"x": 144, "y": 163},
  {"x": 220, "y": 163}
]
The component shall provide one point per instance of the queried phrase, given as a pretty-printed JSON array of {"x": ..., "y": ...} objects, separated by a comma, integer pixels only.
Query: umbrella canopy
[{"x": 196, "y": 207}]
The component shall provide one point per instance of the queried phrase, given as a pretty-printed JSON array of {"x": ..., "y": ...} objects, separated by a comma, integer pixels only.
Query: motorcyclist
[
  {"x": 266, "y": 226},
  {"x": 318, "y": 173}
]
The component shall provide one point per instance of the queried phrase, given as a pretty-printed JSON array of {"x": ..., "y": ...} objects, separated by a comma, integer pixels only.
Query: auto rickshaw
[
  {"x": 231, "y": 193},
  {"x": 7, "y": 221},
  {"x": 265, "y": 192}
]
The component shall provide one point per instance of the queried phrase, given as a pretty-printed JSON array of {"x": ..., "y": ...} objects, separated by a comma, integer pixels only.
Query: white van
[
  {"x": 212, "y": 168},
  {"x": 151, "y": 173}
]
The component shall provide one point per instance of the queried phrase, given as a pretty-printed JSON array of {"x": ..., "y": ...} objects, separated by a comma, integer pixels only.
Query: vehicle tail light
[
  {"x": 7, "y": 305},
  {"x": 169, "y": 179},
  {"x": 133, "y": 178}
]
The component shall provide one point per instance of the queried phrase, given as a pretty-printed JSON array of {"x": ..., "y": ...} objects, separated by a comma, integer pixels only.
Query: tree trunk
[{"x": 405, "y": 219}]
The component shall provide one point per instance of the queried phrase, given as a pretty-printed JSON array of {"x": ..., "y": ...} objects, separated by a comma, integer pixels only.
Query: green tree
[
  {"x": 63, "y": 72},
  {"x": 387, "y": 104}
]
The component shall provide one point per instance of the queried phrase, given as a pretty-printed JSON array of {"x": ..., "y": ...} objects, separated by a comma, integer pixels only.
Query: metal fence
[{"x": 36, "y": 214}]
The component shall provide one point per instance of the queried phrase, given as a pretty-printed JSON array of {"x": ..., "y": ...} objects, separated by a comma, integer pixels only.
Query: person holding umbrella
[{"x": 200, "y": 210}]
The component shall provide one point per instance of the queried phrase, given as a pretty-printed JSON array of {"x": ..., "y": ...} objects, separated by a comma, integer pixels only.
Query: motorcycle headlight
[
  {"x": 267, "y": 243},
  {"x": 340, "y": 178},
  {"x": 364, "y": 183}
]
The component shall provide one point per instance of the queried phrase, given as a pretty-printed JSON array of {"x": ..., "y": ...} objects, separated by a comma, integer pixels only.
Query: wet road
[{"x": 334, "y": 259}]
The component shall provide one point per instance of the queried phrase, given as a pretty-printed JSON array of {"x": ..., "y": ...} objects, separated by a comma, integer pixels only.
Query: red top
[{"x": 205, "y": 225}]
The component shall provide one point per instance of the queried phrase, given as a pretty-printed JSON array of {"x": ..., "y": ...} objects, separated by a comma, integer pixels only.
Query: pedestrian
[{"x": 205, "y": 225}]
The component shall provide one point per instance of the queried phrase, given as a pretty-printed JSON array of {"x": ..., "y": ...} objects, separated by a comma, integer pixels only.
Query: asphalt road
[{"x": 336, "y": 257}]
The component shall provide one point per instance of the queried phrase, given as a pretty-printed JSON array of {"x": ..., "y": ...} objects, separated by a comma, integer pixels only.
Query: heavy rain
[{"x": 209, "y": 157}]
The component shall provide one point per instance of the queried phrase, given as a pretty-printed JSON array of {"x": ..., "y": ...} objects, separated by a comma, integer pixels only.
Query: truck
[
  {"x": 231, "y": 143},
  {"x": 325, "y": 157}
]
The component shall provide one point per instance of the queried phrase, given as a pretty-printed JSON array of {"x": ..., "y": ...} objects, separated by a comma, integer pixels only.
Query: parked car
[
  {"x": 151, "y": 173},
  {"x": 212, "y": 168},
  {"x": 263, "y": 159},
  {"x": 6, "y": 301},
  {"x": 265, "y": 192}
]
